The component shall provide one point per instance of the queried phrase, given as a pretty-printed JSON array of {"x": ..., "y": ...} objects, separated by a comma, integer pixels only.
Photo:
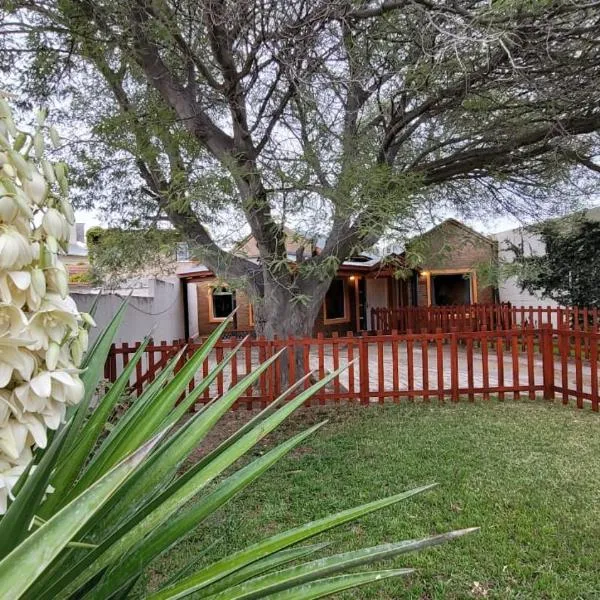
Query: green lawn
[{"x": 527, "y": 473}]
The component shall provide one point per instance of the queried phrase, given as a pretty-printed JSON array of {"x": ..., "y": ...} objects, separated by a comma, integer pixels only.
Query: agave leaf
[
  {"x": 263, "y": 566},
  {"x": 66, "y": 471},
  {"x": 199, "y": 389},
  {"x": 330, "y": 565},
  {"x": 176, "y": 449},
  {"x": 96, "y": 423},
  {"x": 257, "y": 551},
  {"x": 176, "y": 528},
  {"x": 113, "y": 448},
  {"x": 166, "y": 504},
  {"x": 29, "y": 559},
  {"x": 319, "y": 588},
  {"x": 94, "y": 367},
  {"x": 141, "y": 405},
  {"x": 155, "y": 416},
  {"x": 259, "y": 418},
  {"x": 189, "y": 567}
]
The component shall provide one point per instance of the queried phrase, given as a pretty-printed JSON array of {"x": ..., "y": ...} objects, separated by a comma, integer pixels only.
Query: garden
[
  {"x": 466, "y": 475},
  {"x": 526, "y": 472}
]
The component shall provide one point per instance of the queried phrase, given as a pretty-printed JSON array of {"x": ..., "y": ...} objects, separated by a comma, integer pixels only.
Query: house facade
[{"x": 451, "y": 255}]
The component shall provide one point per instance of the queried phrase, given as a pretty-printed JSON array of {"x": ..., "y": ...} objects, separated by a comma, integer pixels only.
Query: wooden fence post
[
  {"x": 363, "y": 369},
  {"x": 454, "y": 366},
  {"x": 548, "y": 360}
]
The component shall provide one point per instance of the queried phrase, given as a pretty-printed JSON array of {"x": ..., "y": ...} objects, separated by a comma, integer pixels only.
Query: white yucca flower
[
  {"x": 36, "y": 187},
  {"x": 55, "y": 224},
  {"x": 41, "y": 335},
  {"x": 9, "y": 209},
  {"x": 15, "y": 250}
]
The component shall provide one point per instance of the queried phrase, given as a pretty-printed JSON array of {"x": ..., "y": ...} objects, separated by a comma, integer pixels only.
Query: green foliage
[
  {"x": 569, "y": 270},
  {"x": 116, "y": 253},
  {"x": 121, "y": 500}
]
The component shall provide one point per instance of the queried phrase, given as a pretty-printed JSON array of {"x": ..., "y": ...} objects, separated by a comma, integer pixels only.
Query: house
[
  {"x": 450, "y": 256},
  {"x": 529, "y": 243}
]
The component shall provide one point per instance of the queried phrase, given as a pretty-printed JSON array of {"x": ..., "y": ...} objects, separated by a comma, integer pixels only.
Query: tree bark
[{"x": 278, "y": 314}]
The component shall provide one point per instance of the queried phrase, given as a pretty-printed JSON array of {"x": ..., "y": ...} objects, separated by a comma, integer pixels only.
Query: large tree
[{"x": 341, "y": 115}]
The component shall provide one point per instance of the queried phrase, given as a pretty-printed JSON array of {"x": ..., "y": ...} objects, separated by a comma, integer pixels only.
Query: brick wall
[
  {"x": 242, "y": 318},
  {"x": 205, "y": 325},
  {"x": 452, "y": 247}
]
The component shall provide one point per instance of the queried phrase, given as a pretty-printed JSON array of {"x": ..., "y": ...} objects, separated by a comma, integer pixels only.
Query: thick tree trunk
[{"x": 280, "y": 315}]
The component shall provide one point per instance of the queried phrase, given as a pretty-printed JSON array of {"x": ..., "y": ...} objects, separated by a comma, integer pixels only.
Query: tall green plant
[{"x": 121, "y": 499}]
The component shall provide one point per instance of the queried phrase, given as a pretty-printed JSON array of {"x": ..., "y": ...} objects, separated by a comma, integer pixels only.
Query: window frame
[
  {"x": 211, "y": 306},
  {"x": 346, "y": 317}
]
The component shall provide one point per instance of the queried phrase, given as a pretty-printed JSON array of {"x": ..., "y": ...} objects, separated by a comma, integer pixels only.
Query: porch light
[
  {"x": 351, "y": 278},
  {"x": 424, "y": 273}
]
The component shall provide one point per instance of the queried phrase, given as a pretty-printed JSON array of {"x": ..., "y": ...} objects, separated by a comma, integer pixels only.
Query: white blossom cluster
[{"x": 42, "y": 339}]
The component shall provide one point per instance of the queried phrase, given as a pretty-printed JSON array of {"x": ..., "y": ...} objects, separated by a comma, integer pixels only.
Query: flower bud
[
  {"x": 54, "y": 224},
  {"x": 38, "y": 281},
  {"x": 24, "y": 169},
  {"x": 38, "y": 145},
  {"x": 48, "y": 171},
  {"x": 52, "y": 244},
  {"x": 62, "y": 283},
  {"x": 9, "y": 170},
  {"x": 52, "y": 355},
  {"x": 15, "y": 251},
  {"x": 87, "y": 318},
  {"x": 83, "y": 338},
  {"x": 76, "y": 352},
  {"x": 67, "y": 211}
]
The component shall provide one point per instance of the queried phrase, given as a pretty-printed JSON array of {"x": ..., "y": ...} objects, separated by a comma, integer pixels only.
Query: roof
[
  {"x": 367, "y": 263},
  {"x": 462, "y": 226},
  {"x": 593, "y": 214},
  {"x": 293, "y": 242}
]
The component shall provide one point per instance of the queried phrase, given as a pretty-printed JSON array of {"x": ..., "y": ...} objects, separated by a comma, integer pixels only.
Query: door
[{"x": 377, "y": 297}]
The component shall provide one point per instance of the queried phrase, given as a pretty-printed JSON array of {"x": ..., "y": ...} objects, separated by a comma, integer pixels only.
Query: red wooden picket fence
[
  {"x": 525, "y": 362},
  {"x": 481, "y": 317}
]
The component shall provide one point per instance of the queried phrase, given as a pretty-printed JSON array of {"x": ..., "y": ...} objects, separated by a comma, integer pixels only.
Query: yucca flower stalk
[{"x": 42, "y": 339}]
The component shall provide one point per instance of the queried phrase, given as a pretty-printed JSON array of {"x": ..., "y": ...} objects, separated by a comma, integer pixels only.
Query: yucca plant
[{"x": 86, "y": 507}]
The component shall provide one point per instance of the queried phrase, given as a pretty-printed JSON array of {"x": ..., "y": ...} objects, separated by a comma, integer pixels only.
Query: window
[
  {"x": 222, "y": 303},
  {"x": 182, "y": 251},
  {"x": 336, "y": 302}
]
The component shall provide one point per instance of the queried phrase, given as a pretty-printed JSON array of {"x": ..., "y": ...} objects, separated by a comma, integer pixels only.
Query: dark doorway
[{"x": 449, "y": 290}]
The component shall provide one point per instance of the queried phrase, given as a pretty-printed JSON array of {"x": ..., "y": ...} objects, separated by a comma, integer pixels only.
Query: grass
[{"x": 527, "y": 473}]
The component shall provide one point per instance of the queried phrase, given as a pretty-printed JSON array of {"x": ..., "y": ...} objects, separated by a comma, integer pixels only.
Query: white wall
[
  {"x": 509, "y": 289},
  {"x": 158, "y": 304},
  {"x": 192, "y": 294}
]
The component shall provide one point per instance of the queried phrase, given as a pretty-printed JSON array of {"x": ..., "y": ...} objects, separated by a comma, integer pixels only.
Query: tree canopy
[
  {"x": 340, "y": 118},
  {"x": 116, "y": 254}
]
